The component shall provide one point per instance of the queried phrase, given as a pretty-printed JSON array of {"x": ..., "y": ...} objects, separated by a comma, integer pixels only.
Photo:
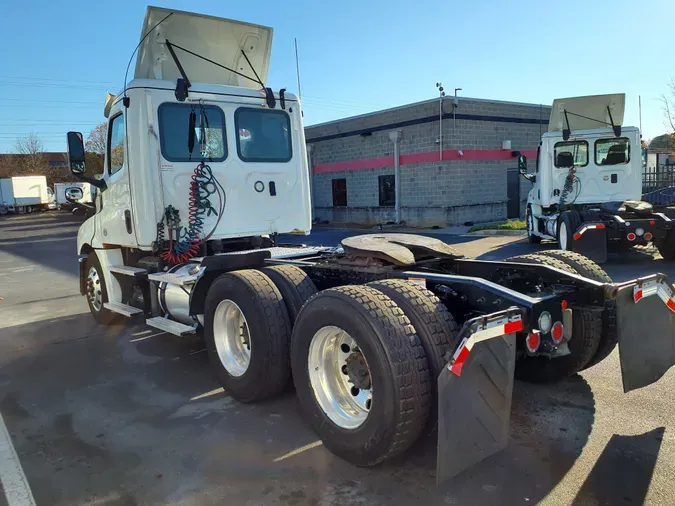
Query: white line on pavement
[{"x": 13, "y": 479}]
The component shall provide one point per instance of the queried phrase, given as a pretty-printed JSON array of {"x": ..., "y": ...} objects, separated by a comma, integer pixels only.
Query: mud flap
[
  {"x": 646, "y": 327},
  {"x": 590, "y": 240},
  {"x": 474, "y": 393}
]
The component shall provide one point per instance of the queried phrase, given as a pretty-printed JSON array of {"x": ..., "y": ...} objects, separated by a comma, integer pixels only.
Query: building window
[
  {"x": 387, "y": 191},
  {"x": 174, "y": 128},
  {"x": 339, "y": 193},
  {"x": 263, "y": 135},
  {"x": 571, "y": 154},
  {"x": 612, "y": 151},
  {"x": 116, "y": 144}
]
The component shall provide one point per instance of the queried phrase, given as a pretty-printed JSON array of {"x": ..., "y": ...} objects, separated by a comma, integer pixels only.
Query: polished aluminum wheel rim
[
  {"x": 345, "y": 405},
  {"x": 94, "y": 293},
  {"x": 563, "y": 236},
  {"x": 232, "y": 337}
]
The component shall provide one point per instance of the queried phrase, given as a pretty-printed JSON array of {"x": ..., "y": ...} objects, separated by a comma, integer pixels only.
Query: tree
[
  {"x": 32, "y": 159},
  {"x": 668, "y": 101},
  {"x": 97, "y": 139}
]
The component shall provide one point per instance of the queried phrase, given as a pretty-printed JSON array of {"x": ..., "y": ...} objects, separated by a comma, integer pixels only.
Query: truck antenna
[{"x": 297, "y": 69}]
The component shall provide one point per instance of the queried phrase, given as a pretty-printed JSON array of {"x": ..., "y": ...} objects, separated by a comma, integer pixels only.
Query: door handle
[{"x": 127, "y": 220}]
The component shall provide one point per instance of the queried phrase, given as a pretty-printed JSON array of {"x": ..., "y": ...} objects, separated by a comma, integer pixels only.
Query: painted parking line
[{"x": 14, "y": 482}]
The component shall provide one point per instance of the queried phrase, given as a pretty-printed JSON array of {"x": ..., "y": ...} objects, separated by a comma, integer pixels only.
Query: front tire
[
  {"x": 97, "y": 292},
  {"x": 360, "y": 374},
  {"x": 247, "y": 334}
]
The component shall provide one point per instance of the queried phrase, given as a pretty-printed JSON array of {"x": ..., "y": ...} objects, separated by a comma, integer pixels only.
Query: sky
[{"x": 57, "y": 59}]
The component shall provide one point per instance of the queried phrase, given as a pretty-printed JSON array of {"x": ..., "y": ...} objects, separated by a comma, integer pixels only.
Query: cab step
[
  {"x": 123, "y": 309},
  {"x": 128, "y": 271},
  {"x": 170, "y": 326},
  {"x": 173, "y": 279}
]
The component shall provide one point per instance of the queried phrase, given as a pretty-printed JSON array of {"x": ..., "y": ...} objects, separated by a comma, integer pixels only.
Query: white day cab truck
[
  {"x": 26, "y": 194},
  {"x": 587, "y": 184},
  {"x": 386, "y": 336}
]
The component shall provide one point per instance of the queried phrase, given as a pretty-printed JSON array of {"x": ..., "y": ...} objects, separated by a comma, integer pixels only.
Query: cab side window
[{"x": 116, "y": 144}]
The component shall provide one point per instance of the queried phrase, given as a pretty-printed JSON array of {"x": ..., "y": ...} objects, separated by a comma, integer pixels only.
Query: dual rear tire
[{"x": 364, "y": 359}]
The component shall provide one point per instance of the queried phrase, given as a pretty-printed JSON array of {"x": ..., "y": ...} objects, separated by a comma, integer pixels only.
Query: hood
[
  {"x": 217, "y": 39},
  {"x": 593, "y": 107}
]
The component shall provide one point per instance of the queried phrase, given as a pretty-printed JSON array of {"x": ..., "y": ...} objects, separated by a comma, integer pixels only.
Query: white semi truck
[
  {"x": 385, "y": 336},
  {"x": 587, "y": 183},
  {"x": 25, "y": 194}
]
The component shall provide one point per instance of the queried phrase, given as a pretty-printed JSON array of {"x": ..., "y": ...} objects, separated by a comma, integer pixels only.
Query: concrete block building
[{"x": 464, "y": 171}]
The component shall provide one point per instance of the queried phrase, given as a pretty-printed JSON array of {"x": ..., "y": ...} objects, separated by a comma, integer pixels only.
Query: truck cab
[{"x": 248, "y": 141}]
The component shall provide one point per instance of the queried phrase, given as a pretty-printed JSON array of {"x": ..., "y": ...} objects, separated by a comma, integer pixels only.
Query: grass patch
[{"x": 502, "y": 225}]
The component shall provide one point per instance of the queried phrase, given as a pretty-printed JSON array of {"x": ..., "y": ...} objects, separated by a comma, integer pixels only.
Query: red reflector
[
  {"x": 533, "y": 341},
  {"x": 511, "y": 327},
  {"x": 652, "y": 222},
  {"x": 637, "y": 295},
  {"x": 577, "y": 236},
  {"x": 557, "y": 332},
  {"x": 631, "y": 236},
  {"x": 671, "y": 304},
  {"x": 563, "y": 305},
  {"x": 648, "y": 236},
  {"x": 600, "y": 226}
]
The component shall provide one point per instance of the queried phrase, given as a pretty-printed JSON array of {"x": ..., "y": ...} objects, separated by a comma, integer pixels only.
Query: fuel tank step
[
  {"x": 170, "y": 326},
  {"x": 174, "y": 279},
  {"x": 128, "y": 271},
  {"x": 123, "y": 309}
]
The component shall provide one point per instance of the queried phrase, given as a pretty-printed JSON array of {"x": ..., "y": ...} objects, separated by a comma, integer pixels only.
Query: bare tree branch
[
  {"x": 668, "y": 102},
  {"x": 32, "y": 160},
  {"x": 97, "y": 139}
]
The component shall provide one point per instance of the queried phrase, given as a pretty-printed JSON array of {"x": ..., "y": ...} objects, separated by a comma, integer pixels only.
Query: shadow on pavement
[
  {"x": 131, "y": 414},
  {"x": 623, "y": 472}
]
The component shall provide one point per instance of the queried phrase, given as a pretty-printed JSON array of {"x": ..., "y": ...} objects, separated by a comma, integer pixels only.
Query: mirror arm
[{"x": 98, "y": 183}]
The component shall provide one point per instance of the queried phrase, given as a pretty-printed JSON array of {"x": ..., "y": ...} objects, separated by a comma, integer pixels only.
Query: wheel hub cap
[
  {"x": 232, "y": 337},
  {"x": 357, "y": 371},
  {"x": 340, "y": 377},
  {"x": 94, "y": 293}
]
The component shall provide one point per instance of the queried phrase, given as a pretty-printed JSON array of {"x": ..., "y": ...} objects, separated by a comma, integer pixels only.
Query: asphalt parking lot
[{"x": 131, "y": 416}]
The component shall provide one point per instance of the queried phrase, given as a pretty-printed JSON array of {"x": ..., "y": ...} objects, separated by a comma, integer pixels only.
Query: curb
[{"x": 507, "y": 233}]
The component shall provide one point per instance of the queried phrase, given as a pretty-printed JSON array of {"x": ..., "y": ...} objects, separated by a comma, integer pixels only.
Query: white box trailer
[
  {"x": 25, "y": 194},
  {"x": 60, "y": 192}
]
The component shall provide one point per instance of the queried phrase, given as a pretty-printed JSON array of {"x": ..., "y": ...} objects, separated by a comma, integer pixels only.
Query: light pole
[{"x": 441, "y": 94}]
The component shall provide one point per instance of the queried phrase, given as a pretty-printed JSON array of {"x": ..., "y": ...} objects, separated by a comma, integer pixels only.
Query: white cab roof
[
  {"x": 218, "y": 39},
  {"x": 593, "y": 108}
]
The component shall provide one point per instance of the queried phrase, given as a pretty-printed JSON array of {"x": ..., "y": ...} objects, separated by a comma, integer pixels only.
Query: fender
[{"x": 107, "y": 258}]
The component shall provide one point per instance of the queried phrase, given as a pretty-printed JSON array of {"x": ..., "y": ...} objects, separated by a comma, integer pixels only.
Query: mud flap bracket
[{"x": 475, "y": 391}]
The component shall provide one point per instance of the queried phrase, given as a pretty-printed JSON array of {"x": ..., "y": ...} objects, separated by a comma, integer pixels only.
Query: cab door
[{"x": 115, "y": 213}]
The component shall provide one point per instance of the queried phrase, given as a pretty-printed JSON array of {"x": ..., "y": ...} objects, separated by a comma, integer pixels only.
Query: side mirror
[
  {"x": 522, "y": 163},
  {"x": 74, "y": 194},
  {"x": 76, "y": 153}
]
